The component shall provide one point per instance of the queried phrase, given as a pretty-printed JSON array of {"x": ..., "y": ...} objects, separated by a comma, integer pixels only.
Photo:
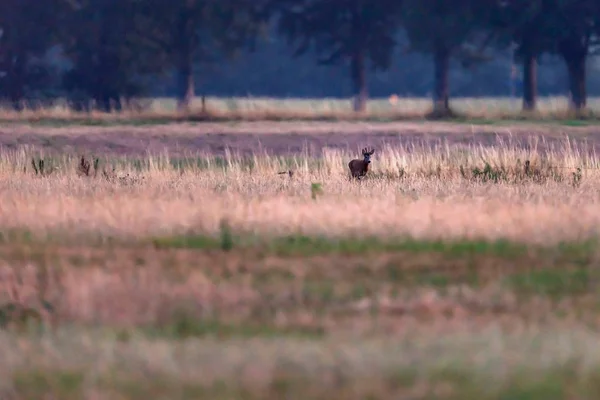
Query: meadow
[
  {"x": 464, "y": 266},
  {"x": 250, "y": 108}
]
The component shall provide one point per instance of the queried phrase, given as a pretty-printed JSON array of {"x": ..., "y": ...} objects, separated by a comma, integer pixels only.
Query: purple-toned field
[{"x": 282, "y": 138}]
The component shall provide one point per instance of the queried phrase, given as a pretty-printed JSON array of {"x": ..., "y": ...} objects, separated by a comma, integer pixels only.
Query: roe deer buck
[{"x": 359, "y": 168}]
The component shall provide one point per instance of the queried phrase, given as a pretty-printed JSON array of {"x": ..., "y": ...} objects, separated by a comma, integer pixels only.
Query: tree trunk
[
  {"x": 15, "y": 78},
  {"x": 117, "y": 102},
  {"x": 529, "y": 82},
  {"x": 185, "y": 63},
  {"x": 103, "y": 102},
  {"x": 441, "y": 104},
  {"x": 108, "y": 102},
  {"x": 577, "y": 78},
  {"x": 185, "y": 84},
  {"x": 359, "y": 81},
  {"x": 17, "y": 94}
]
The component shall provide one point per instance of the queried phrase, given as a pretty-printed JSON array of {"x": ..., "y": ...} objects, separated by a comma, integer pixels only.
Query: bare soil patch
[{"x": 281, "y": 138}]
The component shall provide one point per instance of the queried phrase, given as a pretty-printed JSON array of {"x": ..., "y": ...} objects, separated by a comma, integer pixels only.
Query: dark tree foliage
[
  {"x": 108, "y": 58},
  {"x": 575, "y": 26},
  {"x": 446, "y": 29},
  {"x": 186, "y": 33},
  {"x": 525, "y": 24},
  {"x": 26, "y": 32},
  {"x": 360, "y": 33},
  {"x": 119, "y": 49}
]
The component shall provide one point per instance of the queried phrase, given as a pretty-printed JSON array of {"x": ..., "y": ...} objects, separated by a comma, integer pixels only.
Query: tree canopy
[{"x": 113, "y": 50}]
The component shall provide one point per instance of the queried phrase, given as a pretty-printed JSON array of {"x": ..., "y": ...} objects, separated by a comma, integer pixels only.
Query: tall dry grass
[{"x": 423, "y": 192}]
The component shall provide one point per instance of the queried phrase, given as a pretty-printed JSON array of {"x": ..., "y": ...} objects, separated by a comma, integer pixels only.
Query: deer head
[
  {"x": 359, "y": 168},
  {"x": 367, "y": 155}
]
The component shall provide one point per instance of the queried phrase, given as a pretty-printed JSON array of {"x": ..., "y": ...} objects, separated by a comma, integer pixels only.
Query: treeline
[{"x": 115, "y": 50}]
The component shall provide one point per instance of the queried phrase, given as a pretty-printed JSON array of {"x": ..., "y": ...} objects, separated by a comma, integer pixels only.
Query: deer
[{"x": 359, "y": 168}]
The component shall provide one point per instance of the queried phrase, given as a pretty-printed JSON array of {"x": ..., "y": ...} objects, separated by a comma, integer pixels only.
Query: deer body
[{"x": 359, "y": 168}]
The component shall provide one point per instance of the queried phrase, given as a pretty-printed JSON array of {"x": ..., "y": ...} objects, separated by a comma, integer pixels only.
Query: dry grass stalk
[
  {"x": 85, "y": 166},
  {"x": 84, "y": 169},
  {"x": 39, "y": 168}
]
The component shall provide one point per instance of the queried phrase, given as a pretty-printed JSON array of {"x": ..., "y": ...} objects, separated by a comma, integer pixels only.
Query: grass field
[
  {"x": 393, "y": 108},
  {"x": 454, "y": 270}
]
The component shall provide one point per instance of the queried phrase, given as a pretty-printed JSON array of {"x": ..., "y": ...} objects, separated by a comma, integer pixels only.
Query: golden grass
[
  {"x": 416, "y": 191},
  {"x": 257, "y": 108}
]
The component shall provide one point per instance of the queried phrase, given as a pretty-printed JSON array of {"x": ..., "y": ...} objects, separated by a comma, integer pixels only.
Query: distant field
[
  {"x": 409, "y": 106},
  {"x": 256, "y": 108},
  {"x": 188, "y": 263}
]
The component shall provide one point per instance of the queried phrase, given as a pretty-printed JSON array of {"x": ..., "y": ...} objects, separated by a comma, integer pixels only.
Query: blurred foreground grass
[
  {"x": 423, "y": 320},
  {"x": 487, "y": 365}
]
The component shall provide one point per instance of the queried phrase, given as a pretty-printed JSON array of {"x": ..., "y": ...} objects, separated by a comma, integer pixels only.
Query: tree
[
  {"x": 357, "y": 32},
  {"x": 27, "y": 30},
  {"x": 189, "y": 32},
  {"x": 576, "y": 26},
  {"x": 525, "y": 23},
  {"x": 446, "y": 29},
  {"x": 108, "y": 58}
]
